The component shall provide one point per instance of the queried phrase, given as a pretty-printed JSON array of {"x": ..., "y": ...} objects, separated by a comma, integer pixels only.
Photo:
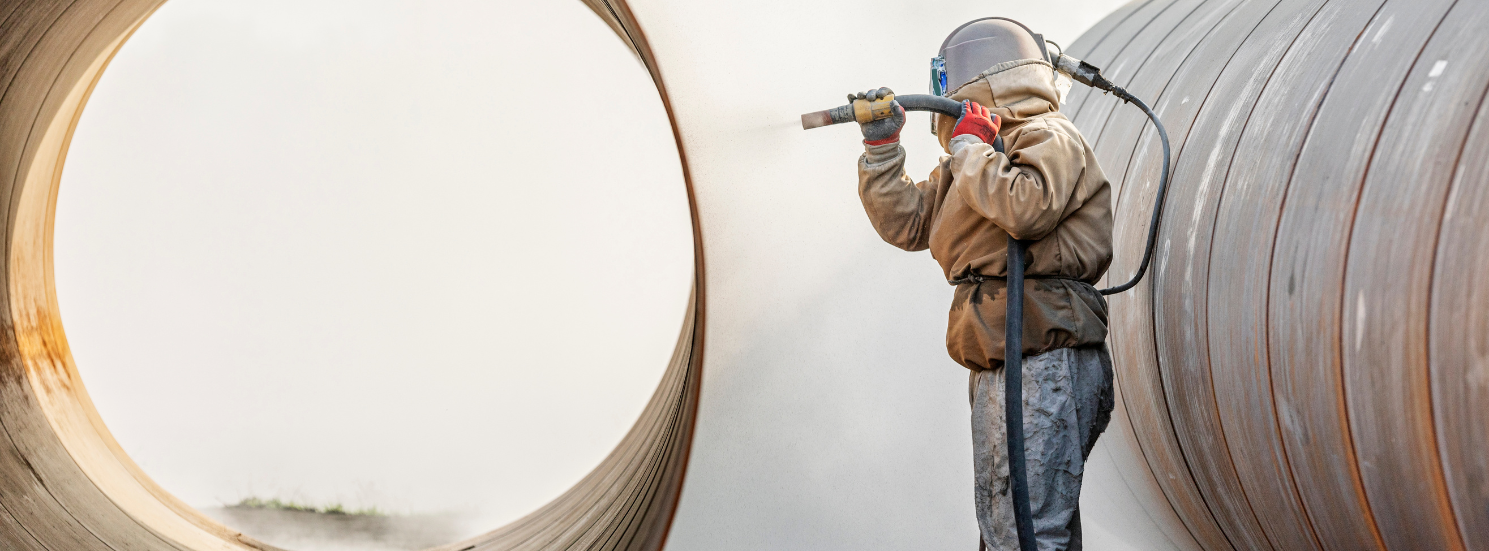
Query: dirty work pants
[{"x": 1067, "y": 404}]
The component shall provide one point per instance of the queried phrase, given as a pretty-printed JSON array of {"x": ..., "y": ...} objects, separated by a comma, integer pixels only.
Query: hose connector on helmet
[{"x": 1084, "y": 73}]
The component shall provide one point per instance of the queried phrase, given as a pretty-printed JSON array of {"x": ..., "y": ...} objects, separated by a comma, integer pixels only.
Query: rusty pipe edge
[{"x": 87, "y": 493}]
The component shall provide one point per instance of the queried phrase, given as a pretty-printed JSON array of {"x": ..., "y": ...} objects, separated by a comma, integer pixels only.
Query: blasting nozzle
[
  {"x": 836, "y": 115},
  {"x": 863, "y": 111}
]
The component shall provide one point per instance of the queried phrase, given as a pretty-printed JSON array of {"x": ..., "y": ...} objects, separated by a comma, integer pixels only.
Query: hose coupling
[
  {"x": 1084, "y": 73},
  {"x": 867, "y": 111}
]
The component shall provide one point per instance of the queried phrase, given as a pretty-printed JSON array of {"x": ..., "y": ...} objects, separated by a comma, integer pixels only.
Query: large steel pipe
[{"x": 1305, "y": 368}]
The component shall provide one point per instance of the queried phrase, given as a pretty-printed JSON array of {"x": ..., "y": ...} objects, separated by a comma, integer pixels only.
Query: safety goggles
[{"x": 938, "y": 76}]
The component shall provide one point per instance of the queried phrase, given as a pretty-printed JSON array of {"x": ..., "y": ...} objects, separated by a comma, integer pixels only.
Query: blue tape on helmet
[
  {"x": 938, "y": 83},
  {"x": 938, "y": 76}
]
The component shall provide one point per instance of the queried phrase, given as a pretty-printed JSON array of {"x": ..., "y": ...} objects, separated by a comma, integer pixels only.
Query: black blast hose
[
  {"x": 1013, "y": 395},
  {"x": 911, "y": 102}
]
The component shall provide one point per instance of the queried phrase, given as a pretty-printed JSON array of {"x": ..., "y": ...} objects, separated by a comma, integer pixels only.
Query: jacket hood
[{"x": 1017, "y": 91}]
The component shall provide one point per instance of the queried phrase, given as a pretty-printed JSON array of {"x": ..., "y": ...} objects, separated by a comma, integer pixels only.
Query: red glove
[{"x": 977, "y": 121}]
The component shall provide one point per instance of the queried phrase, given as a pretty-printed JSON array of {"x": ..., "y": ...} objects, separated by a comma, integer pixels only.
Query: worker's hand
[
  {"x": 882, "y": 131},
  {"x": 977, "y": 121}
]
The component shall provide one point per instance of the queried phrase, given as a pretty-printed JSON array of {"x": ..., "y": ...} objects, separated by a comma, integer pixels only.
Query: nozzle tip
[{"x": 815, "y": 120}]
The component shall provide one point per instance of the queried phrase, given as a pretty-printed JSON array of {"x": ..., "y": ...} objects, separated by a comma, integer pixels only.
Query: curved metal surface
[
  {"x": 1458, "y": 329},
  {"x": 1308, "y": 258},
  {"x": 1184, "y": 435},
  {"x": 1295, "y": 300},
  {"x": 1388, "y": 280},
  {"x": 1304, "y": 369}
]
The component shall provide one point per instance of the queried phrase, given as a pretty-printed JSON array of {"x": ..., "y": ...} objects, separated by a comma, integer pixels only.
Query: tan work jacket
[{"x": 1046, "y": 189}]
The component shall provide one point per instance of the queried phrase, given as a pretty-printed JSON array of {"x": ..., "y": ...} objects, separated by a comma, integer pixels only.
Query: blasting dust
[{"x": 314, "y": 529}]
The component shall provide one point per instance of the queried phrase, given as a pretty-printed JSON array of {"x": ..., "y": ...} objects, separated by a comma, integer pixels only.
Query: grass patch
[{"x": 282, "y": 505}]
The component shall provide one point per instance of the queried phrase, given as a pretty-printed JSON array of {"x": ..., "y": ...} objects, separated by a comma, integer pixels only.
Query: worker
[{"x": 1046, "y": 190}]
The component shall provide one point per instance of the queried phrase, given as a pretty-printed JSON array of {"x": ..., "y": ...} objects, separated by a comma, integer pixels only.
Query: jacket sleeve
[
  {"x": 1028, "y": 191},
  {"x": 900, "y": 209}
]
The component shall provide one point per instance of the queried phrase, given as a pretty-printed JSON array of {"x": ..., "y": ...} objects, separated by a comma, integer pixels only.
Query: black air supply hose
[
  {"x": 1090, "y": 75},
  {"x": 1157, "y": 202}
]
